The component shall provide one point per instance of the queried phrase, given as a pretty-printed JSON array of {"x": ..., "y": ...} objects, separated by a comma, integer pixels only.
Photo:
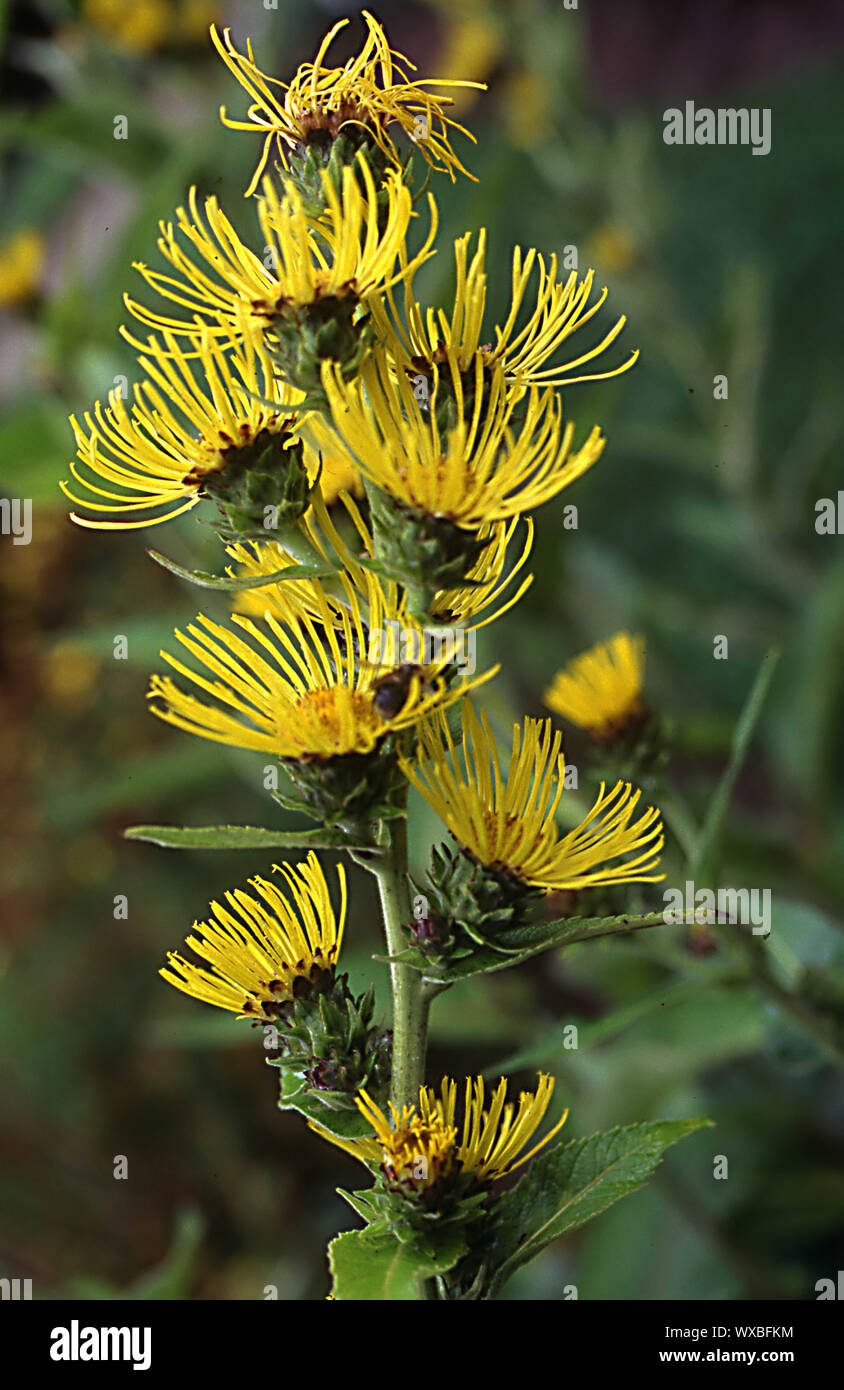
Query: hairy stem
[{"x": 410, "y": 1009}]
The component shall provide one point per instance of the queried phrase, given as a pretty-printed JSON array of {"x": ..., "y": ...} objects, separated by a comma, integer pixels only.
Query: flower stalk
[{"x": 410, "y": 1007}]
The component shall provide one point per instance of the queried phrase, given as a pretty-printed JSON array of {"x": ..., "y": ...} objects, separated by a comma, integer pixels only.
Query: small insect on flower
[
  {"x": 508, "y": 823},
  {"x": 298, "y": 689},
  {"x": 423, "y": 1147},
  {"x": 601, "y": 689},
  {"x": 193, "y": 428},
  {"x": 393, "y": 690},
  {"x": 268, "y": 949},
  {"x": 371, "y": 92},
  {"x": 422, "y": 338}
]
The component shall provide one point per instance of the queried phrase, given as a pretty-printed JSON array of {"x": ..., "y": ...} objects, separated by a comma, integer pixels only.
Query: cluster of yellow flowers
[{"x": 315, "y": 365}]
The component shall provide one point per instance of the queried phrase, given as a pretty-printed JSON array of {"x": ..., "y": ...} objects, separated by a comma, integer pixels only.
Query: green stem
[{"x": 410, "y": 1008}]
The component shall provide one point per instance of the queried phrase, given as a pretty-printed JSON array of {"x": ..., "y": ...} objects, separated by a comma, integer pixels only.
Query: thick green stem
[{"x": 410, "y": 1008}]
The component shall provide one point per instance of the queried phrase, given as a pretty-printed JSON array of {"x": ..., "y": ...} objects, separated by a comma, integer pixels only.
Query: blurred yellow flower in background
[
  {"x": 139, "y": 27},
  {"x": 142, "y": 26},
  {"x": 22, "y": 259},
  {"x": 601, "y": 689},
  {"x": 613, "y": 248}
]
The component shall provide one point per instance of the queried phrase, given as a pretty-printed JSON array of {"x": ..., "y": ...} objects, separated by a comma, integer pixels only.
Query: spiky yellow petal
[
  {"x": 533, "y": 333},
  {"x": 195, "y": 409},
  {"x": 372, "y": 90},
  {"x": 503, "y": 455},
  {"x": 297, "y": 688},
  {"x": 423, "y": 1144},
  {"x": 350, "y": 252},
  {"x": 259, "y": 947},
  {"x": 509, "y": 821}
]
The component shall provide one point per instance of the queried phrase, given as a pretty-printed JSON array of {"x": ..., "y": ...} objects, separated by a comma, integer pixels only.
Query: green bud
[
  {"x": 264, "y": 478},
  {"x": 479, "y": 900},
  {"x": 423, "y": 553},
  {"x": 330, "y": 152},
  {"x": 329, "y": 1043},
  {"x": 348, "y": 788},
  {"x": 334, "y": 328}
]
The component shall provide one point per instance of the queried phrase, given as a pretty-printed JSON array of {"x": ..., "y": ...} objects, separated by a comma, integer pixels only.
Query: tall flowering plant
[{"x": 370, "y": 464}]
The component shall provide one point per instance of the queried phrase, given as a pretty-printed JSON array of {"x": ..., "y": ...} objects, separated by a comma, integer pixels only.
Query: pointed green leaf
[
  {"x": 344, "y": 1124},
  {"x": 567, "y": 1186},
  {"x": 236, "y": 837},
  {"x": 741, "y": 740},
  {"x": 233, "y": 585},
  {"x": 523, "y": 942}
]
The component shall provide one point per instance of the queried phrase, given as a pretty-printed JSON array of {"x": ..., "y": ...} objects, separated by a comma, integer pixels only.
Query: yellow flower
[
  {"x": 426, "y": 337},
  {"x": 372, "y": 91},
  {"x": 342, "y": 266},
  {"x": 307, "y": 697},
  {"x": 509, "y": 822},
  {"x": 601, "y": 690},
  {"x": 614, "y": 247},
  {"x": 423, "y": 1145},
  {"x": 138, "y": 28},
  {"x": 182, "y": 430},
  {"x": 262, "y": 951},
  {"x": 501, "y": 457},
  {"x": 22, "y": 260}
]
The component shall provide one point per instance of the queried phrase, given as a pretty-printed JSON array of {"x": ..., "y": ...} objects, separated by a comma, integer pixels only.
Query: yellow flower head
[
  {"x": 264, "y": 950},
  {"x": 372, "y": 91},
  {"x": 601, "y": 690},
  {"x": 554, "y": 313},
  {"x": 508, "y": 822},
  {"x": 297, "y": 689},
  {"x": 183, "y": 428},
  {"x": 501, "y": 457},
  {"x": 137, "y": 28},
  {"x": 22, "y": 260},
  {"x": 344, "y": 255},
  {"x": 424, "y": 1145}
]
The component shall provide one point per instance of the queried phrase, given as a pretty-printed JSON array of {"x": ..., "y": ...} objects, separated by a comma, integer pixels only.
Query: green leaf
[
  {"x": 523, "y": 942},
  {"x": 234, "y": 586},
  {"x": 371, "y": 1268},
  {"x": 741, "y": 740},
  {"x": 570, "y": 1184},
  {"x": 237, "y": 837},
  {"x": 343, "y": 1124}
]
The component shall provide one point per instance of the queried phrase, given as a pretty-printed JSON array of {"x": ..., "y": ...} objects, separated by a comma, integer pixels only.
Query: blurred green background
[{"x": 699, "y": 521}]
